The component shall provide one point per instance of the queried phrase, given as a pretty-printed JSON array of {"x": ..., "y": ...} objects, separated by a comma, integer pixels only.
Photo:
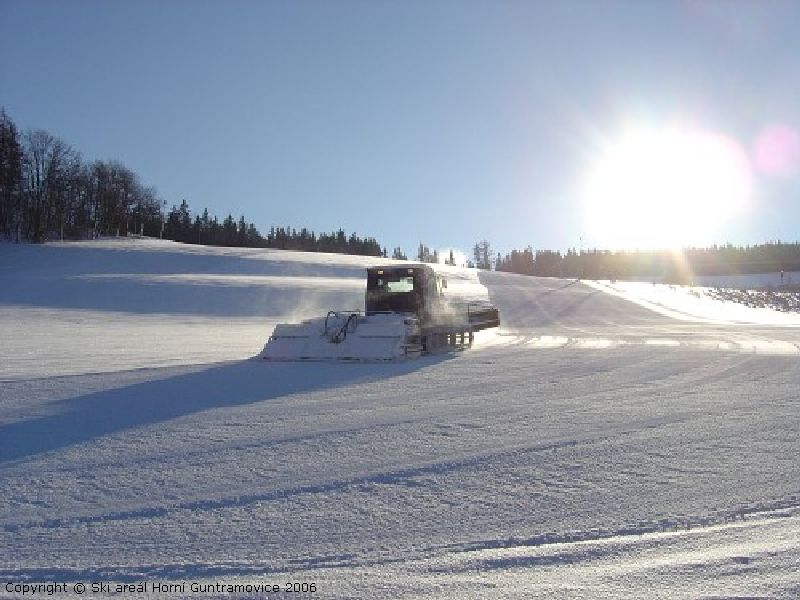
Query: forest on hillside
[
  {"x": 49, "y": 192},
  {"x": 676, "y": 266}
]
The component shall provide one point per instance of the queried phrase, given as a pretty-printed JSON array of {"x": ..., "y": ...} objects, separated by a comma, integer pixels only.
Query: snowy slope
[
  {"x": 547, "y": 313},
  {"x": 591, "y": 448},
  {"x": 121, "y": 304},
  {"x": 694, "y": 304}
]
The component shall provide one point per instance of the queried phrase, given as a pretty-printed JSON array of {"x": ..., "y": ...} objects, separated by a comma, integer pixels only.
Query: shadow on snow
[{"x": 84, "y": 418}]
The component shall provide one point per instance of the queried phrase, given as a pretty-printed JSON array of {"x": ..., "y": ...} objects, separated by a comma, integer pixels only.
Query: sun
[{"x": 664, "y": 188}]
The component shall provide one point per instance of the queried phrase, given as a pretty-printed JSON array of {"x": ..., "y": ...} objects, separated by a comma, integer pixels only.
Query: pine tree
[
  {"x": 229, "y": 231},
  {"x": 197, "y": 230},
  {"x": 482, "y": 253},
  {"x": 241, "y": 232},
  {"x": 184, "y": 223}
]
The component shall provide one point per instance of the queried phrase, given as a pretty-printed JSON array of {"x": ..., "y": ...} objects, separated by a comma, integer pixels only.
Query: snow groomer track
[{"x": 601, "y": 444}]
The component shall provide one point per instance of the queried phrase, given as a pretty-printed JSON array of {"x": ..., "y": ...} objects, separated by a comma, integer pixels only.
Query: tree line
[
  {"x": 47, "y": 191},
  {"x": 671, "y": 266},
  {"x": 206, "y": 229}
]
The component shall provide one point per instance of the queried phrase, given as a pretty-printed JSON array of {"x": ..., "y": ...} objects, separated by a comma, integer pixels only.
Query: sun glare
[{"x": 664, "y": 188}]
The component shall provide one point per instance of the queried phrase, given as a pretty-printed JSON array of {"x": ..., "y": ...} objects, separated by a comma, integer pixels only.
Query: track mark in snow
[
  {"x": 730, "y": 343},
  {"x": 781, "y": 509},
  {"x": 403, "y": 477}
]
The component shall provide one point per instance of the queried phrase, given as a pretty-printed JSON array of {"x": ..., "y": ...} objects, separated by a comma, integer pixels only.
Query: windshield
[{"x": 395, "y": 285}]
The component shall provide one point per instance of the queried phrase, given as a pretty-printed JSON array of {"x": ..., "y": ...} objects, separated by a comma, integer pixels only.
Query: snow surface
[
  {"x": 594, "y": 447},
  {"x": 749, "y": 281},
  {"x": 746, "y": 281},
  {"x": 693, "y": 304}
]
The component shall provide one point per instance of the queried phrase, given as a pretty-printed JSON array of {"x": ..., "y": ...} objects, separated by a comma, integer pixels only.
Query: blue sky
[{"x": 440, "y": 122}]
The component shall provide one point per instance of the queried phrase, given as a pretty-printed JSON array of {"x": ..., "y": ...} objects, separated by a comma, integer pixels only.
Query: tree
[
  {"x": 64, "y": 188},
  {"x": 11, "y": 158},
  {"x": 424, "y": 254},
  {"x": 547, "y": 263},
  {"x": 482, "y": 252},
  {"x": 172, "y": 226},
  {"x": 185, "y": 222},
  {"x": 51, "y": 169},
  {"x": 118, "y": 203},
  {"x": 147, "y": 212},
  {"x": 241, "y": 232},
  {"x": 229, "y": 231},
  {"x": 38, "y": 152}
]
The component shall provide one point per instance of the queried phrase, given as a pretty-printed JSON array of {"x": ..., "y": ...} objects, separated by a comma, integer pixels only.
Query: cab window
[{"x": 396, "y": 285}]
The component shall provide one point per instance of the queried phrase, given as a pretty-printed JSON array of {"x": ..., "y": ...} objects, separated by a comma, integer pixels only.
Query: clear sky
[{"x": 553, "y": 124}]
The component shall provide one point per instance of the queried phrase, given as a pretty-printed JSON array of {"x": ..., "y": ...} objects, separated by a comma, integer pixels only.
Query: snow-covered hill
[
  {"x": 593, "y": 447},
  {"x": 120, "y": 304}
]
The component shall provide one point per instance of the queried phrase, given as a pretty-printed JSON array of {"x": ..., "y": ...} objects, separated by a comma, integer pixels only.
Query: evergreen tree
[
  {"x": 229, "y": 231},
  {"x": 425, "y": 255},
  {"x": 482, "y": 252},
  {"x": 172, "y": 226},
  {"x": 197, "y": 230},
  {"x": 241, "y": 232},
  {"x": 185, "y": 223}
]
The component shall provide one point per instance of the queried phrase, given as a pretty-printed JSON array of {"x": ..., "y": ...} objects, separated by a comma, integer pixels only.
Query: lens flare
[{"x": 777, "y": 151}]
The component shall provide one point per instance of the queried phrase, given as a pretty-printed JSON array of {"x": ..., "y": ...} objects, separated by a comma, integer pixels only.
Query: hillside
[{"x": 596, "y": 444}]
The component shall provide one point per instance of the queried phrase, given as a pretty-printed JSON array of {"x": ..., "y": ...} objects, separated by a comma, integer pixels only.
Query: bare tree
[
  {"x": 10, "y": 177},
  {"x": 38, "y": 152},
  {"x": 62, "y": 186}
]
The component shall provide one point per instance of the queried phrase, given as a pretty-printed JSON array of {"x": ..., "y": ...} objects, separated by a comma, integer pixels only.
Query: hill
[{"x": 592, "y": 447}]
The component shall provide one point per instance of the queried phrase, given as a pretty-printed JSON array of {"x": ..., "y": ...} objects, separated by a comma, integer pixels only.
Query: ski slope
[{"x": 597, "y": 446}]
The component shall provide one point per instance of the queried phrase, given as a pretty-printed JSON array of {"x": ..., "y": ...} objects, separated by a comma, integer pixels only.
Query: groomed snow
[
  {"x": 693, "y": 304},
  {"x": 591, "y": 448},
  {"x": 120, "y": 304}
]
